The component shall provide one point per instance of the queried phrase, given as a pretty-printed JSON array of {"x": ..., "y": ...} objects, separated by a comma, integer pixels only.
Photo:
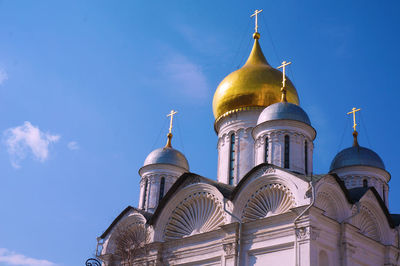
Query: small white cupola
[
  {"x": 284, "y": 137},
  {"x": 358, "y": 166},
  {"x": 160, "y": 170}
]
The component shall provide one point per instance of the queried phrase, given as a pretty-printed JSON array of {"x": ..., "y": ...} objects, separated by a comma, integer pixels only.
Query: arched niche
[
  {"x": 373, "y": 221},
  {"x": 366, "y": 222},
  {"x": 196, "y": 209},
  {"x": 269, "y": 194},
  {"x": 131, "y": 221},
  {"x": 323, "y": 259},
  {"x": 331, "y": 199},
  {"x": 270, "y": 199}
]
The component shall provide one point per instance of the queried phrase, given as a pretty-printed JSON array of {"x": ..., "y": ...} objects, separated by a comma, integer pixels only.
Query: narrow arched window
[
  {"x": 383, "y": 195},
  {"x": 323, "y": 258},
  {"x": 162, "y": 185},
  {"x": 266, "y": 150},
  {"x": 365, "y": 183},
  {"x": 144, "y": 194},
  {"x": 232, "y": 159},
  {"x": 306, "y": 157},
  {"x": 287, "y": 150}
]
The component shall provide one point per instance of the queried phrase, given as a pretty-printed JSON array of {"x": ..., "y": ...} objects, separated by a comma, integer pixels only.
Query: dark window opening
[
  {"x": 232, "y": 159},
  {"x": 306, "y": 157},
  {"x": 365, "y": 183},
  {"x": 144, "y": 194},
  {"x": 266, "y": 150},
  {"x": 162, "y": 185},
  {"x": 286, "y": 158}
]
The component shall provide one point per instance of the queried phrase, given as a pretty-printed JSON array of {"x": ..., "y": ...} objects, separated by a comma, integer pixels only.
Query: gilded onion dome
[{"x": 255, "y": 85}]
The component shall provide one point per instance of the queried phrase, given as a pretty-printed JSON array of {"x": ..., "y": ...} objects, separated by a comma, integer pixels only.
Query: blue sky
[{"x": 85, "y": 87}]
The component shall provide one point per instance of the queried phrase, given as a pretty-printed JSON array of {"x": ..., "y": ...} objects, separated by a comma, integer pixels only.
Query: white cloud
[
  {"x": 185, "y": 76},
  {"x": 26, "y": 139},
  {"x": 3, "y": 76},
  {"x": 11, "y": 258},
  {"x": 73, "y": 145}
]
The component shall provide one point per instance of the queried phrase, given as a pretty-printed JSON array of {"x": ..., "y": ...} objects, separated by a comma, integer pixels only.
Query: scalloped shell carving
[
  {"x": 325, "y": 202},
  {"x": 200, "y": 212},
  {"x": 269, "y": 200},
  {"x": 367, "y": 224}
]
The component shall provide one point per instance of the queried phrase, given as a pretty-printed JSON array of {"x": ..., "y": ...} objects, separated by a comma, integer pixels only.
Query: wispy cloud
[
  {"x": 185, "y": 76},
  {"x": 25, "y": 139},
  {"x": 210, "y": 43},
  {"x": 73, "y": 145},
  {"x": 11, "y": 258},
  {"x": 3, "y": 76}
]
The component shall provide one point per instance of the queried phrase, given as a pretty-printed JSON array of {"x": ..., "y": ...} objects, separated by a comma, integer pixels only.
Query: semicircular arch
[
  {"x": 265, "y": 196},
  {"x": 197, "y": 208},
  {"x": 331, "y": 199},
  {"x": 128, "y": 222}
]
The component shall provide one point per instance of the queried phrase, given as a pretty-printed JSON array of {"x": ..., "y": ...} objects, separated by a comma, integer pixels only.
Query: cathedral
[{"x": 266, "y": 207}]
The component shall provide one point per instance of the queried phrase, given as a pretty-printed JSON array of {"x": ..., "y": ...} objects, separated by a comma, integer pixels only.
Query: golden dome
[{"x": 255, "y": 85}]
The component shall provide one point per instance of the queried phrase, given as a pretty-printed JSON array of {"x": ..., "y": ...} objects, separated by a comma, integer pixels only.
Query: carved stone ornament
[
  {"x": 268, "y": 200},
  {"x": 229, "y": 249},
  {"x": 303, "y": 233},
  {"x": 314, "y": 233},
  {"x": 367, "y": 223},
  {"x": 269, "y": 170},
  {"x": 350, "y": 248},
  {"x": 198, "y": 213}
]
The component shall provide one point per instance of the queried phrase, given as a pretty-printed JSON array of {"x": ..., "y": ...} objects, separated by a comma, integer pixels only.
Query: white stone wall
[
  {"x": 241, "y": 124},
  {"x": 276, "y": 131},
  {"x": 332, "y": 232},
  {"x": 153, "y": 174},
  {"x": 354, "y": 176}
]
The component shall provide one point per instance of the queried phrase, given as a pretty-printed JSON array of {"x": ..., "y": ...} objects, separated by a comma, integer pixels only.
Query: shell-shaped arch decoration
[
  {"x": 268, "y": 200},
  {"x": 367, "y": 223},
  {"x": 198, "y": 213},
  {"x": 325, "y": 202}
]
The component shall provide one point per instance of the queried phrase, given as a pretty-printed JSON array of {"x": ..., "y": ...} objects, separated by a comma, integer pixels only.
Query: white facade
[{"x": 266, "y": 207}]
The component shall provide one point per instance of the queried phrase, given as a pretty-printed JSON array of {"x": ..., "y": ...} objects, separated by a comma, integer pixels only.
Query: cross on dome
[
  {"x": 171, "y": 114},
  {"x": 353, "y": 111},
  {"x": 283, "y": 89},
  {"x": 355, "y": 133},
  {"x": 169, "y": 136},
  {"x": 255, "y": 14}
]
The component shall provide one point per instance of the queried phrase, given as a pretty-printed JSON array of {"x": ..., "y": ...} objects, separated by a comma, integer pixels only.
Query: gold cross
[
  {"x": 256, "y": 12},
  {"x": 354, "y": 110},
  {"x": 283, "y": 90},
  {"x": 284, "y": 64},
  {"x": 171, "y": 114}
]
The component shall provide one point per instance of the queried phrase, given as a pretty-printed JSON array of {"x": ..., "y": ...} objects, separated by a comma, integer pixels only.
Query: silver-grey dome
[
  {"x": 167, "y": 155},
  {"x": 356, "y": 155},
  {"x": 283, "y": 110}
]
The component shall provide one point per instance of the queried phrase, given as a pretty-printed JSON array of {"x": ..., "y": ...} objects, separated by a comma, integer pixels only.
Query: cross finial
[
  {"x": 283, "y": 89},
  {"x": 353, "y": 111},
  {"x": 171, "y": 114},
  {"x": 255, "y": 14},
  {"x": 169, "y": 136}
]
